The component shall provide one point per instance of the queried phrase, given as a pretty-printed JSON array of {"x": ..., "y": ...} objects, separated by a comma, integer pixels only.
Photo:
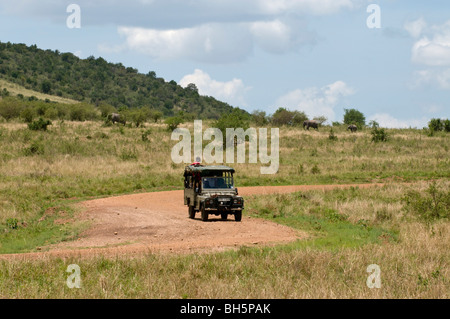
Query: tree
[
  {"x": 259, "y": 118},
  {"x": 138, "y": 116},
  {"x": 282, "y": 117},
  {"x": 353, "y": 116},
  {"x": 320, "y": 119},
  {"x": 447, "y": 125},
  {"x": 106, "y": 109},
  {"x": 436, "y": 125},
  {"x": 192, "y": 88},
  {"x": 298, "y": 118},
  {"x": 46, "y": 87},
  {"x": 236, "y": 119},
  {"x": 155, "y": 115},
  {"x": 173, "y": 122}
]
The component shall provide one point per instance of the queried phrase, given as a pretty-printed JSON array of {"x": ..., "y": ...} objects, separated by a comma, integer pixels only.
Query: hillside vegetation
[{"x": 94, "y": 80}]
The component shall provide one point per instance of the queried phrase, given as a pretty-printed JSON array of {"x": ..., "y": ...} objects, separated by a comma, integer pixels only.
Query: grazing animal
[
  {"x": 115, "y": 117},
  {"x": 310, "y": 123},
  {"x": 352, "y": 128}
]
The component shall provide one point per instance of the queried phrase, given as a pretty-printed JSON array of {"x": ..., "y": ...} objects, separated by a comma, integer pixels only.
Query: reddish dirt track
[{"x": 158, "y": 222}]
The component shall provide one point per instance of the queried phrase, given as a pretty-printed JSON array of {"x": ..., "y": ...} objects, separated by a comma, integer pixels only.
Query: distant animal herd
[
  {"x": 118, "y": 118},
  {"x": 314, "y": 124}
]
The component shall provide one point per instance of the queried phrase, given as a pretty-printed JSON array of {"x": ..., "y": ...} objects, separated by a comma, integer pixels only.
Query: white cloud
[
  {"x": 216, "y": 42},
  {"x": 439, "y": 78},
  {"x": 317, "y": 101},
  {"x": 388, "y": 121},
  {"x": 315, "y": 7},
  {"x": 232, "y": 92},
  {"x": 206, "y": 43},
  {"x": 279, "y": 36},
  {"x": 415, "y": 28},
  {"x": 166, "y": 14},
  {"x": 433, "y": 48}
]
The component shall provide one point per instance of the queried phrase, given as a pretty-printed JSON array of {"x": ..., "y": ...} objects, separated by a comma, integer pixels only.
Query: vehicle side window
[{"x": 188, "y": 182}]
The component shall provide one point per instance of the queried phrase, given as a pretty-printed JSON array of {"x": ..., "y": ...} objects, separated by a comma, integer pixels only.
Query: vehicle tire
[
  {"x": 238, "y": 216},
  {"x": 191, "y": 212},
  {"x": 204, "y": 214},
  {"x": 224, "y": 216}
]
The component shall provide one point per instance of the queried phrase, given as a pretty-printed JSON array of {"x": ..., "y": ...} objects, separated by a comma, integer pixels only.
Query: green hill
[{"x": 94, "y": 80}]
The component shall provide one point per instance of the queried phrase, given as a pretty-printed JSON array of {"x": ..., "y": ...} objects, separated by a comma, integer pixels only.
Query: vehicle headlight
[{"x": 238, "y": 201}]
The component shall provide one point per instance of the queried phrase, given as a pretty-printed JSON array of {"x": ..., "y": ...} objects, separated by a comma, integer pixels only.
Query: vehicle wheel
[
  {"x": 191, "y": 212},
  {"x": 204, "y": 214},
  {"x": 238, "y": 216},
  {"x": 224, "y": 216}
]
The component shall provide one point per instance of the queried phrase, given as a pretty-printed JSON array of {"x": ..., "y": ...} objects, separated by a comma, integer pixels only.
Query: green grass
[{"x": 317, "y": 213}]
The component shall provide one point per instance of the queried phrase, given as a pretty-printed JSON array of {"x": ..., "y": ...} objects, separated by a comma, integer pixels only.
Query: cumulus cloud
[
  {"x": 219, "y": 31},
  {"x": 217, "y": 42},
  {"x": 232, "y": 92},
  {"x": 416, "y": 27},
  {"x": 431, "y": 49},
  {"x": 316, "y": 7},
  {"x": 206, "y": 43},
  {"x": 433, "y": 46},
  {"x": 167, "y": 14},
  {"x": 316, "y": 101},
  {"x": 388, "y": 121},
  {"x": 439, "y": 78}
]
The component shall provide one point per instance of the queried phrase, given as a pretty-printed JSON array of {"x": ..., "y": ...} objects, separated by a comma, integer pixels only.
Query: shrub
[
  {"x": 429, "y": 206},
  {"x": 82, "y": 112},
  {"x": 35, "y": 148},
  {"x": 10, "y": 108},
  {"x": 378, "y": 134},
  {"x": 145, "y": 135},
  {"x": 27, "y": 115},
  {"x": 331, "y": 136},
  {"x": 106, "y": 109},
  {"x": 436, "y": 125},
  {"x": 12, "y": 223},
  {"x": 173, "y": 122},
  {"x": 39, "y": 125},
  {"x": 447, "y": 125},
  {"x": 315, "y": 169}
]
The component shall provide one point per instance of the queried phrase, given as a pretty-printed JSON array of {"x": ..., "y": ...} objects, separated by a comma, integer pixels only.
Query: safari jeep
[{"x": 210, "y": 190}]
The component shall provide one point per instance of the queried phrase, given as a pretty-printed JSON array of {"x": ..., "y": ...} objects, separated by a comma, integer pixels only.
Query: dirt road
[{"x": 155, "y": 222}]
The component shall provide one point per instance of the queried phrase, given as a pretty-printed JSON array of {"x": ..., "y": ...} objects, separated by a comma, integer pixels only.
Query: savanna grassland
[{"x": 403, "y": 226}]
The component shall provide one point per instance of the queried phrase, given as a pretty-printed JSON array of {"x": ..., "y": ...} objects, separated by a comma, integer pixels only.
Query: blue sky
[{"x": 316, "y": 56}]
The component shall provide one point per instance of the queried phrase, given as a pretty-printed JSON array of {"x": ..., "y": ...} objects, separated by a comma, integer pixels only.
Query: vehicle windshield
[{"x": 217, "y": 182}]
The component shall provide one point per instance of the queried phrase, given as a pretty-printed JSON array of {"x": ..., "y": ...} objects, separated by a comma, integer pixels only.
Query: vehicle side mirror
[{"x": 236, "y": 191}]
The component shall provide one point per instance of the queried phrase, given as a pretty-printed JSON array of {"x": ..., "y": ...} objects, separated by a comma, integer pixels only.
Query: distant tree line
[{"x": 29, "y": 109}]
